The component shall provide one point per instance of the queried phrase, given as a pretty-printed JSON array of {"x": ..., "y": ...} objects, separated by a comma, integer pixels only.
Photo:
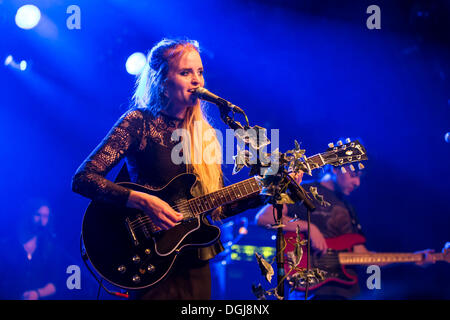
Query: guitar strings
[
  {"x": 192, "y": 206},
  {"x": 145, "y": 220},
  {"x": 186, "y": 205},
  {"x": 138, "y": 220}
]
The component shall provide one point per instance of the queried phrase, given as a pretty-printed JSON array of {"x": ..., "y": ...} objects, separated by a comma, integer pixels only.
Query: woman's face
[{"x": 185, "y": 74}]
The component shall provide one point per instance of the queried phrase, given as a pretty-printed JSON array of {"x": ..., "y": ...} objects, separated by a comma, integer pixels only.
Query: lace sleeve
[{"x": 89, "y": 180}]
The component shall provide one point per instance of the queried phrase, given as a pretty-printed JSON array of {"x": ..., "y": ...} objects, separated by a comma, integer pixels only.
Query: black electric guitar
[{"x": 127, "y": 249}]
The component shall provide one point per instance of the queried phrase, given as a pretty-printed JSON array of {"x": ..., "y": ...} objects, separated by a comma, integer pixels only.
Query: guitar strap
[{"x": 353, "y": 216}]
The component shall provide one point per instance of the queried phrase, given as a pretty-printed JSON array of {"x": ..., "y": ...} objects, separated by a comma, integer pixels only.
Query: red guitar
[{"x": 331, "y": 265}]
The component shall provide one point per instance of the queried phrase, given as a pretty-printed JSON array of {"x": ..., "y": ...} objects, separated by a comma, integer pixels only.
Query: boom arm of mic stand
[
  {"x": 299, "y": 193},
  {"x": 228, "y": 120}
]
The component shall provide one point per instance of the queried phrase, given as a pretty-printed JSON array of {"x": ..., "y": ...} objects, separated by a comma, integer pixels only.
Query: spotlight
[
  {"x": 23, "y": 65},
  {"x": 8, "y": 60},
  {"x": 447, "y": 137},
  {"x": 28, "y": 16},
  {"x": 243, "y": 230},
  {"x": 135, "y": 63}
]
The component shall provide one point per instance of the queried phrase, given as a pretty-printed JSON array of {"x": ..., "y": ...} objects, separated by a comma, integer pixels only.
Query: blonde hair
[
  {"x": 208, "y": 169},
  {"x": 149, "y": 94}
]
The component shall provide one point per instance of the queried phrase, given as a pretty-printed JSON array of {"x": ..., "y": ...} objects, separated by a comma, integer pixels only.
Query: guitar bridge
[{"x": 131, "y": 231}]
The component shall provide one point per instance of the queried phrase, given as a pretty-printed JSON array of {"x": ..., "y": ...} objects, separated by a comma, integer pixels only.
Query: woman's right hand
[{"x": 159, "y": 211}]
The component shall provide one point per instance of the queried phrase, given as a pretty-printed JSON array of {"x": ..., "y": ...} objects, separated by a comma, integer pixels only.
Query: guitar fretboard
[
  {"x": 252, "y": 186},
  {"x": 224, "y": 196},
  {"x": 238, "y": 191},
  {"x": 373, "y": 258}
]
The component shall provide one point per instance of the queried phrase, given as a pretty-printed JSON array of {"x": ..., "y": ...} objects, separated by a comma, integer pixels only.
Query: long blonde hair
[{"x": 149, "y": 94}]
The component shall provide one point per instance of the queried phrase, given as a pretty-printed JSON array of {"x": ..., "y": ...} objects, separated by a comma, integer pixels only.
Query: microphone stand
[
  {"x": 297, "y": 194},
  {"x": 280, "y": 245}
]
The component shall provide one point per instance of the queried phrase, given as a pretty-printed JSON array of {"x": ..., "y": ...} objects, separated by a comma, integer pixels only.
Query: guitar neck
[
  {"x": 225, "y": 196},
  {"x": 351, "y": 258}
]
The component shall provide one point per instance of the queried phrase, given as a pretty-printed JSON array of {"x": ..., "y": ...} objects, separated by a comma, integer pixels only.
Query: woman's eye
[{"x": 184, "y": 73}]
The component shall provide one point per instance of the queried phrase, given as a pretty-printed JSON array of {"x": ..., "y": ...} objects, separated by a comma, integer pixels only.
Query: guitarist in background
[
  {"x": 339, "y": 218},
  {"x": 163, "y": 102}
]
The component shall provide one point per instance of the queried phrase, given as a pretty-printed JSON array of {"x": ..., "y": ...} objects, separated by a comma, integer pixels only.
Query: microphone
[{"x": 204, "y": 94}]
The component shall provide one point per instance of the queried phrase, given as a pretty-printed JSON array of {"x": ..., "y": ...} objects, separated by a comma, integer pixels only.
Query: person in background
[
  {"x": 337, "y": 219},
  {"x": 30, "y": 265}
]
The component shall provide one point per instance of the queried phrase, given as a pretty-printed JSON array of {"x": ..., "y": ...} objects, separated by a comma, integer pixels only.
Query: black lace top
[{"x": 145, "y": 142}]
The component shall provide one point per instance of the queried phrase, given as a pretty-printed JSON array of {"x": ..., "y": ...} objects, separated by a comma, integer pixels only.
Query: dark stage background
[{"x": 309, "y": 68}]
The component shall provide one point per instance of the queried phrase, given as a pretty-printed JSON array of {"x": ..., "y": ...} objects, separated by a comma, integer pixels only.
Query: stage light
[
  {"x": 135, "y": 63},
  {"x": 23, "y": 65},
  {"x": 8, "y": 60},
  {"x": 447, "y": 137},
  {"x": 243, "y": 230},
  {"x": 28, "y": 16}
]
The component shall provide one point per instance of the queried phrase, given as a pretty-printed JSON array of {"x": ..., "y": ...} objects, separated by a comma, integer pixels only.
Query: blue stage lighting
[
  {"x": 28, "y": 16},
  {"x": 135, "y": 63}
]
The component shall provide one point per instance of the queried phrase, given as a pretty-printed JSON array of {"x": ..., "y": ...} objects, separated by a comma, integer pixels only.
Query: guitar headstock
[{"x": 345, "y": 153}]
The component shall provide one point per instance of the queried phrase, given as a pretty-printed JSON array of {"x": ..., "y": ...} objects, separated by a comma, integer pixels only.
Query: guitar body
[
  {"x": 328, "y": 263},
  {"x": 123, "y": 248}
]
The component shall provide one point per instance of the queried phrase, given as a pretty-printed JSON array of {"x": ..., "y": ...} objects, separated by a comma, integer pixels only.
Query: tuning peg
[
  {"x": 331, "y": 145},
  {"x": 352, "y": 167},
  {"x": 360, "y": 166},
  {"x": 343, "y": 170},
  {"x": 348, "y": 140},
  {"x": 339, "y": 143}
]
